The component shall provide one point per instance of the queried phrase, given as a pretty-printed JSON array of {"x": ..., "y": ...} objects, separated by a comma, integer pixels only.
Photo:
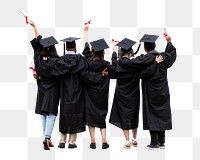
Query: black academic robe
[
  {"x": 156, "y": 95},
  {"x": 71, "y": 69},
  {"x": 96, "y": 95},
  {"x": 48, "y": 88},
  {"x": 126, "y": 102}
]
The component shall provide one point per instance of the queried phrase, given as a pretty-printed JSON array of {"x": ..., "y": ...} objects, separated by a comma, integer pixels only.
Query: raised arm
[
  {"x": 114, "y": 55},
  {"x": 86, "y": 51},
  {"x": 35, "y": 28},
  {"x": 85, "y": 33},
  {"x": 170, "y": 53}
]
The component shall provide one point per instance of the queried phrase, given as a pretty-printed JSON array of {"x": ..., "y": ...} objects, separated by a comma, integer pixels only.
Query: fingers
[
  {"x": 168, "y": 38},
  {"x": 106, "y": 69},
  {"x": 159, "y": 59},
  {"x": 105, "y": 72},
  {"x": 31, "y": 23},
  {"x": 36, "y": 76}
]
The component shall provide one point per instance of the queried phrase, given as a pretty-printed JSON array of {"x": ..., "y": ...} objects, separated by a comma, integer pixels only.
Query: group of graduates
[{"x": 80, "y": 83}]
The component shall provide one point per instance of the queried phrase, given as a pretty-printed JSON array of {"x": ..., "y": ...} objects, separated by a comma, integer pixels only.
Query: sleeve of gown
[
  {"x": 150, "y": 72},
  {"x": 170, "y": 55},
  {"x": 37, "y": 49},
  {"x": 86, "y": 51},
  {"x": 55, "y": 66},
  {"x": 35, "y": 43},
  {"x": 114, "y": 58},
  {"x": 91, "y": 77},
  {"x": 139, "y": 63}
]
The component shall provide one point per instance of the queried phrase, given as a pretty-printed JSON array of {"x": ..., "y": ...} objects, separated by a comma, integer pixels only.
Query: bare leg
[
  {"x": 63, "y": 138},
  {"x": 92, "y": 134},
  {"x": 105, "y": 145},
  {"x": 72, "y": 138},
  {"x": 134, "y": 141},
  {"x": 103, "y": 134},
  {"x": 127, "y": 145},
  {"x": 126, "y": 134},
  {"x": 134, "y": 133}
]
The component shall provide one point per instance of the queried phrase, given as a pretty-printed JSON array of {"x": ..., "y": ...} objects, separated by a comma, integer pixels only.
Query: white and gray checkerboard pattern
[{"x": 21, "y": 131}]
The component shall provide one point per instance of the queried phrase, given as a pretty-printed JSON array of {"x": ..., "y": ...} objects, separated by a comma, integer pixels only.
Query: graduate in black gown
[
  {"x": 48, "y": 86},
  {"x": 126, "y": 102},
  {"x": 96, "y": 95},
  {"x": 72, "y": 107},
  {"x": 156, "y": 95}
]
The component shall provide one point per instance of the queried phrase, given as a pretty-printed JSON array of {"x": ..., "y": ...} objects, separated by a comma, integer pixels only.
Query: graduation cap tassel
[
  {"x": 64, "y": 48},
  {"x": 138, "y": 48},
  {"x": 119, "y": 53}
]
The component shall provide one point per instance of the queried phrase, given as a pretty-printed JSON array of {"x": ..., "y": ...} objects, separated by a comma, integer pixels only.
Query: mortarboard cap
[
  {"x": 48, "y": 42},
  {"x": 99, "y": 45},
  {"x": 70, "y": 42},
  {"x": 149, "y": 38},
  {"x": 126, "y": 44}
]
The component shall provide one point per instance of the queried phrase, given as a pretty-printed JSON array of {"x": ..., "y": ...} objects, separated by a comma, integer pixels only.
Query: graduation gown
[
  {"x": 48, "y": 88},
  {"x": 71, "y": 69},
  {"x": 126, "y": 102},
  {"x": 155, "y": 90},
  {"x": 96, "y": 95}
]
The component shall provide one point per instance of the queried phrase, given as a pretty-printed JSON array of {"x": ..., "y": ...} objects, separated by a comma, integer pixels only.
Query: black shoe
[
  {"x": 93, "y": 145},
  {"x": 61, "y": 145},
  {"x": 46, "y": 146},
  {"x": 105, "y": 145},
  {"x": 161, "y": 146},
  {"x": 152, "y": 147},
  {"x": 71, "y": 146}
]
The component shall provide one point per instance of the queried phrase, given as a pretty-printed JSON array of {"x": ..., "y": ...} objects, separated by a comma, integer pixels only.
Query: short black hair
[{"x": 149, "y": 46}]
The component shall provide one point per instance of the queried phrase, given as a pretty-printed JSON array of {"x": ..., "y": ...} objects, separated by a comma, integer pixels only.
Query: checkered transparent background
[{"x": 21, "y": 131}]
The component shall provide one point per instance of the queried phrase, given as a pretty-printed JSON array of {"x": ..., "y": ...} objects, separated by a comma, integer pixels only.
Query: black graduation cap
[
  {"x": 70, "y": 42},
  {"x": 126, "y": 44},
  {"x": 99, "y": 45},
  {"x": 48, "y": 42},
  {"x": 149, "y": 38}
]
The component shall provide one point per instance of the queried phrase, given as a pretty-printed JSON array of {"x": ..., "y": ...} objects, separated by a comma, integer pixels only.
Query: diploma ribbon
[
  {"x": 89, "y": 22},
  {"x": 26, "y": 17},
  {"x": 165, "y": 33},
  {"x": 27, "y": 20},
  {"x": 114, "y": 40},
  {"x": 33, "y": 67}
]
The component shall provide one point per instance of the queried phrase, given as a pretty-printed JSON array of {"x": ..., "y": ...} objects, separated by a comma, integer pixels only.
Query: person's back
[
  {"x": 48, "y": 87},
  {"x": 96, "y": 95},
  {"x": 156, "y": 96},
  {"x": 126, "y": 102},
  {"x": 72, "y": 98}
]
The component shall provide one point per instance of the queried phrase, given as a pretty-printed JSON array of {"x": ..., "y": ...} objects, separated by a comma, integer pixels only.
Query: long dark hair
[
  {"x": 49, "y": 52},
  {"x": 123, "y": 53},
  {"x": 98, "y": 55}
]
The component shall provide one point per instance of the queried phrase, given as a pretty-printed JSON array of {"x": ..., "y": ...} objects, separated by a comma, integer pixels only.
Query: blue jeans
[{"x": 48, "y": 122}]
